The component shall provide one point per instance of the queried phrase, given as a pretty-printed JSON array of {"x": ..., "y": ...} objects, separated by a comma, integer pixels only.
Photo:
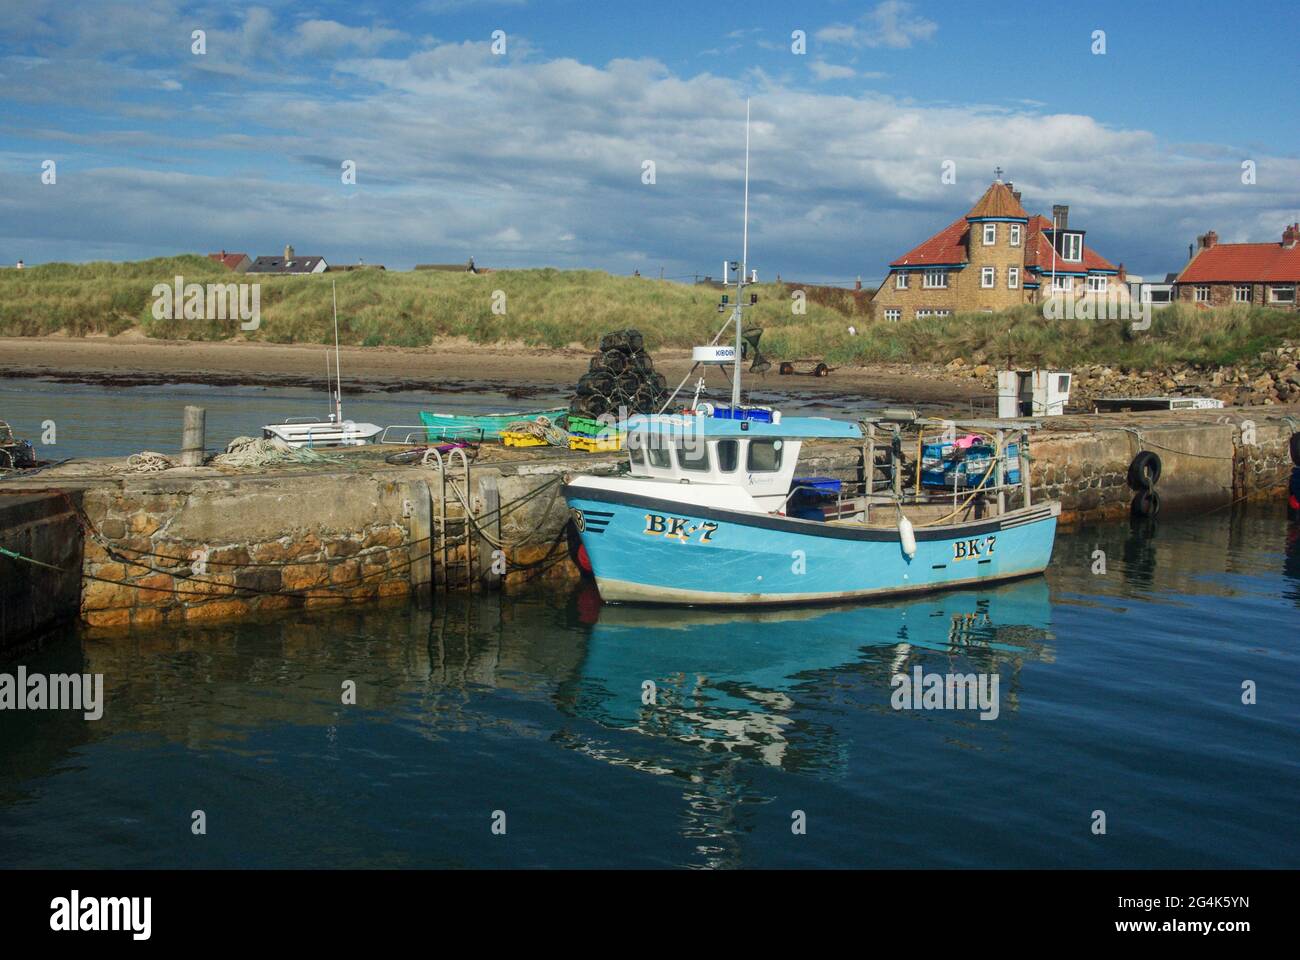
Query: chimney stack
[
  {"x": 1123, "y": 274},
  {"x": 1290, "y": 235},
  {"x": 1207, "y": 240},
  {"x": 1061, "y": 216},
  {"x": 288, "y": 252}
]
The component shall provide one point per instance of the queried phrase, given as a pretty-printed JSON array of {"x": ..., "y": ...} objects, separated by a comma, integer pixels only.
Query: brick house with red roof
[
  {"x": 238, "y": 262},
  {"x": 1242, "y": 274},
  {"x": 995, "y": 257}
]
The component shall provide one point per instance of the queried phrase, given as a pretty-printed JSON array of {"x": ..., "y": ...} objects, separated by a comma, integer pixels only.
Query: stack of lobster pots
[{"x": 621, "y": 377}]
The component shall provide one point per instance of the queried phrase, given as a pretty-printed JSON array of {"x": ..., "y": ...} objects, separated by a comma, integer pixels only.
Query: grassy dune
[{"x": 553, "y": 308}]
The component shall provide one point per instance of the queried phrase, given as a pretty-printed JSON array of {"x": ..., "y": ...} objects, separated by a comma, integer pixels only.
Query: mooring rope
[{"x": 542, "y": 428}]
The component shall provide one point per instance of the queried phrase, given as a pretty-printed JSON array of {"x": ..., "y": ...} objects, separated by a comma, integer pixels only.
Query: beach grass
[{"x": 561, "y": 308}]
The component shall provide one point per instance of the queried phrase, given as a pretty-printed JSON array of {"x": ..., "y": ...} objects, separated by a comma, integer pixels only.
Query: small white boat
[
  {"x": 333, "y": 431},
  {"x": 300, "y": 432}
]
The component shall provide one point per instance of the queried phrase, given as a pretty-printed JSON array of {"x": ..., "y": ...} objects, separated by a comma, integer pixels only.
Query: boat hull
[
  {"x": 488, "y": 426},
  {"x": 648, "y": 550}
]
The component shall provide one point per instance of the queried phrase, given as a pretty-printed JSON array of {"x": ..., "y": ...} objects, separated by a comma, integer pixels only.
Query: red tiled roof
[
  {"x": 949, "y": 246},
  {"x": 229, "y": 260},
  {"x": 998, "y": 201},
  {"x": 1038, "y": 251},
  {"x": 1244, "y": 263},
  {"x": 946, "y": 246}
]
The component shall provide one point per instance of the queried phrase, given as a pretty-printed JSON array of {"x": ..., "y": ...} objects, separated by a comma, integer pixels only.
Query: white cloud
[
  {"x": 890, "y": 24},
  {"x": 330, "y": 36},
  {"x": 831, "y": 71},
  {"x": 526, "y": 160}
]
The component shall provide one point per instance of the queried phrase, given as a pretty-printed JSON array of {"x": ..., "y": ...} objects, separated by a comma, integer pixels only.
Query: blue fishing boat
[
  {"x": 703, "y": 517},
  {"x": 710, "y": 511}
]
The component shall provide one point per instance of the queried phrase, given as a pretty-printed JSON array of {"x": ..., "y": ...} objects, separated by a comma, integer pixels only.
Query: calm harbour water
[
  {"x": 1119, "y": 692},
  {"x": 112, "y": 421}
]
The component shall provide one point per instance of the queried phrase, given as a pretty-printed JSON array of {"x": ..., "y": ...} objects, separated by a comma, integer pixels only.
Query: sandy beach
[{"x": 458, "y": 366}]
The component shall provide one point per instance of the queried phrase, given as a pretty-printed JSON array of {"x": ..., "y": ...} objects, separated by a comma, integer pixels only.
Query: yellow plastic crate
[
  {"x": 512, "y": 438},
  {"x": 596, "y": 445}
]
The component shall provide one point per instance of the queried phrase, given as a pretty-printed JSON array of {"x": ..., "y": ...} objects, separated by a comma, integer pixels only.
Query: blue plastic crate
[
  {"x": 759, "y": 414},
  {"x": 827, "y": 486},
  {"x": 939, "y": 469}
]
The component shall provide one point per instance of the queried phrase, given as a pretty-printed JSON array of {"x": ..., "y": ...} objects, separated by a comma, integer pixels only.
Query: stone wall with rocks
[
  {"x": 33, "y": 597},
  {"x": 161, "y": 550},
  {"x": 1270, "y": 378}
]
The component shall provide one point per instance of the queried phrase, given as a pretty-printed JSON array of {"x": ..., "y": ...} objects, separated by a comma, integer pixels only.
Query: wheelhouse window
[
  {"x": 636, "y": 455},
  {"x": 658, "y": 456},
  {"x": 764, "y": 455},
  {"x": 1015, "y": 234},
  {"x": 693, "y": 455},
  {"x": 728, "y": 455},
  {"x": 990, "y": 234},
  {"x": 1241, "y": 294},
  {"x": 936, "y": 279},
  {"x": 1282, "y": 294},
  {"x": 1013, "y": 277},
  {"x": 1203, "y": 294},
  {"x": 988, "y": 276}
]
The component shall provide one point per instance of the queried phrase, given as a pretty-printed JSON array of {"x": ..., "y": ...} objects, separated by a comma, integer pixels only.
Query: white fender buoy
[{"x": 907, "y": 536}]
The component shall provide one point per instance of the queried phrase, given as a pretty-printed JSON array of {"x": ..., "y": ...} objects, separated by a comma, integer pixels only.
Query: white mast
[
  {"x": 744, "y": 273},
  {"x": 338, "y": 372}
]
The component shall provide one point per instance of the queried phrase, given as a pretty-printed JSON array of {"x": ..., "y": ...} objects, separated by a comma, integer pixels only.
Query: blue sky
[{"x": 535, "y": 156}]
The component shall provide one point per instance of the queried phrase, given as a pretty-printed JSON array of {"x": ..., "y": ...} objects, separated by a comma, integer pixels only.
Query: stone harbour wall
[
  {"x": 166, "y": 550},
  {"x": 42, "y": 526}
]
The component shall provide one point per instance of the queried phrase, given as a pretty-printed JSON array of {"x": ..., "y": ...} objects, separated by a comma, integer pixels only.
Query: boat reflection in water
[{"x": 736, "y": 682}]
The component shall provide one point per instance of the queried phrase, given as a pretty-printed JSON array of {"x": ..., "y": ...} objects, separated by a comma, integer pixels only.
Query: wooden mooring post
[{"x": 192, "y": 437}]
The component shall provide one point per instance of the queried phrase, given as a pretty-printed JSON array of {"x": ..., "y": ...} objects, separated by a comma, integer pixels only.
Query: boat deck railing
[{"x": 418, "y": 434}]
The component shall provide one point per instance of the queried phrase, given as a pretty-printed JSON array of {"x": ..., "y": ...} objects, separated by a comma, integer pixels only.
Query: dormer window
[
  {"x": 990, "y": 234},
  {"x": 1072, "y": 246}
]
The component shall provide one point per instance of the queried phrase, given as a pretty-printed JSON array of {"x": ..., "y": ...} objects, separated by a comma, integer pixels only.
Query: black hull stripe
[{"x": 814, "y": 528}]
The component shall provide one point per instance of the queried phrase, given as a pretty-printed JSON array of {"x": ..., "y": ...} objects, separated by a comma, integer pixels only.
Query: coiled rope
[{"x": 542, "y": 428}]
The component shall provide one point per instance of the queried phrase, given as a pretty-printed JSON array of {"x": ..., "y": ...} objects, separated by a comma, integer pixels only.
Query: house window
[
  {"x": 1282, "y": 294},
  {"x": 988, "y": 275},
  {"x": 990, "y": 234},
  {"x": 1062, "y": 284},
  {"x": 1097, "y": 284},
  {"x": 1015, "y": 234},
  {"x": 900, "y": 281},
  {"x": 1013, "y": 277},
  {"x": 1241, "y": 293},
  {"x": 1202, "y": 294},
  {"x": 1072, "y": 246},
  {"x": 936, "y": 278},
  {"x": 922, "y": 314},
  {"x": 893, "y": 315}
]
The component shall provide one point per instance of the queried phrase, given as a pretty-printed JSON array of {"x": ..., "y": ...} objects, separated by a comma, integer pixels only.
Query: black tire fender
[
  {"x": 1146, "y": 503},
  {"x": 1144, "y": 471}
]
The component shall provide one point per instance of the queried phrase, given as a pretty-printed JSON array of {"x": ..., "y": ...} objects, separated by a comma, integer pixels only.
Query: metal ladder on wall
[{"x": 453, "y": 516}]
